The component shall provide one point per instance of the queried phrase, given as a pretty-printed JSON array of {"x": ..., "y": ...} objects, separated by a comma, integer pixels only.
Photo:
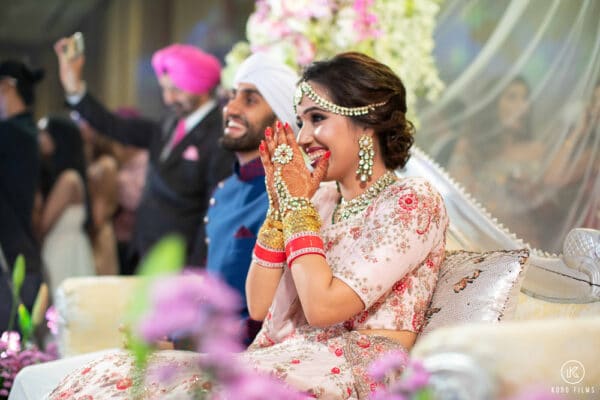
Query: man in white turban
[{"x": 263, "y": 93}]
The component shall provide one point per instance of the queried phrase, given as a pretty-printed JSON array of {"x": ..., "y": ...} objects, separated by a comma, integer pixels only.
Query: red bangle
[
  {"x": 303, "y": 245},
  {"x": 267, "y": 257}
]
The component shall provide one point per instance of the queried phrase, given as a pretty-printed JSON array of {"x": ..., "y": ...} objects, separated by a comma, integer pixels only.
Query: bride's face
[{"x": 323, "y": 131}]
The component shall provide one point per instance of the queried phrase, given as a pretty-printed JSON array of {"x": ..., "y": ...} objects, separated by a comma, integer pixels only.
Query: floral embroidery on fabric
[
  {"x": 400, "y": 239},
  {"x": 124, "y": 383},
  {"x": 408, "y": 202}
]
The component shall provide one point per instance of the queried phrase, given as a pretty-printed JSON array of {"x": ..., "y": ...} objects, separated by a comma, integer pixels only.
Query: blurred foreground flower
[
  {"x": 52, "y": 320},
  {"x": 404, "y": 379},
  {"x": 17, "y": 349},
  {"x": 13, "y": 358},
  {"x": 200, "y": 307},
  {"x": 203, "y": 308}
]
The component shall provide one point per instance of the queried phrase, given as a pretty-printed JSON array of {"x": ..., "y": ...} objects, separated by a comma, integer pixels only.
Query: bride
[{"x": 342, "y": 272}]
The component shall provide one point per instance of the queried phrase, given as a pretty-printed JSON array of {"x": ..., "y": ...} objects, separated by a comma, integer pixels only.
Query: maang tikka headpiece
[{"x": 305, "y": 89}]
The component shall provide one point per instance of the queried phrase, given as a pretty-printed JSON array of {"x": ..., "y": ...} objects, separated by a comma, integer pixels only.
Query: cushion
[
  {"x": 91, "y": 311},
  {"x": 476, "y": 287}
]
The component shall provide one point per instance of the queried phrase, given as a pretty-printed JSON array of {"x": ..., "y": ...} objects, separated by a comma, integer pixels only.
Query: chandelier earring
[{"x": 366, "y": 154}]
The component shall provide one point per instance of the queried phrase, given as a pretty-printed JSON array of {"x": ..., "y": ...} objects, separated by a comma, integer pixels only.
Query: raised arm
[
  {"x": 391, "y": 242},
  {"x": 261, "y": 284},
  {"x": 325, "y": 299},
  {"x": 133, "y": 131},
  {"x": 268, "y": 258}
]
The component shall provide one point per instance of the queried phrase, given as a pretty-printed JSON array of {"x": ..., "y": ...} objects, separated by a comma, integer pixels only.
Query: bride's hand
[
  {"x": 284, "y": 157},
  {"x": 265, "y": 157}
]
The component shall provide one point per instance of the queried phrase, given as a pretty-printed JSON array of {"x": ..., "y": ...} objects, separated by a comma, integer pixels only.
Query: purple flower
[
  {"x": 257, "y": 386},
  {"x": 52, "y": 318},
  {"x": 162, "y": 372},
  {"x": 10, "y": 342},
  {"x": 415, "y": 377},
  {"x": 14, "y": 357},
  {"x": 406, "y": 377},
  {"x": 184, "y": 304},
  {"x": 384, "y": 395},
  {"x": 203, "y": 307},
  {"x": 391, "y": 362},
  {"x": 220, "y": 344},
  {"x": 220, "y": 295}
]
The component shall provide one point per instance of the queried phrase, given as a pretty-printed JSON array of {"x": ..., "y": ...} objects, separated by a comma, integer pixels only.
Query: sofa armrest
[
  {"x": 530, "y": 308},
  {"x": 519, "y": 354},
  {"x": 90, "y": 311}
]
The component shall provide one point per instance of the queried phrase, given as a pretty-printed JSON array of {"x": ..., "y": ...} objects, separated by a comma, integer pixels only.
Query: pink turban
[{"x": 190, "y": 69}]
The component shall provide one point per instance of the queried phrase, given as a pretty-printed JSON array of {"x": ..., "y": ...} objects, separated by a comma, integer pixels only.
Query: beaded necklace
[{"x": 346, "y": 209}]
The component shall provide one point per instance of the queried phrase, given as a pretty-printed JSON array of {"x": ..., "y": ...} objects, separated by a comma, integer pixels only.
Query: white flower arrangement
[{"x": 398, "y": 33}]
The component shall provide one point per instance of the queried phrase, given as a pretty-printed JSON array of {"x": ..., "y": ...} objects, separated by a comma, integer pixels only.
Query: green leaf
[
  {"x": 18, "y": 276},
  {"x": 141, "y": 350},
  {"x": 165, "y": 258},
  {"x": 423, "y": 394},
  {"x": 25, "y": 324},
  {"x": 40, "y": 306}
]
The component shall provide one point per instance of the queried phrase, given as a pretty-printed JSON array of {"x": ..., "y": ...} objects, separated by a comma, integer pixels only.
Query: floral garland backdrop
[{"x": 398, "y": 33}]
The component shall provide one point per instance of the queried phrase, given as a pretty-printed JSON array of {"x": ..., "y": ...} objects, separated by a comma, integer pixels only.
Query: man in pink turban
[
  {"x": 186, "y": 160},
  {"x": 186, "y": 68}
]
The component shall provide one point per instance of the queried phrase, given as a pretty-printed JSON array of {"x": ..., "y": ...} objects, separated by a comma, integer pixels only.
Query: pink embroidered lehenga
[{"x": 389, "y": 254}]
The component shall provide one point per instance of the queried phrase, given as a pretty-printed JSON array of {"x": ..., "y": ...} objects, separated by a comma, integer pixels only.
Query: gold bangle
[
  {"x": 305, "y": 219},
  {"x": 270, "y": 235}
]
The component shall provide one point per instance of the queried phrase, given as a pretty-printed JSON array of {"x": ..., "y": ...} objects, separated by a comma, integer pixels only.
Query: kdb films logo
[{"x": 572, "y": 372}]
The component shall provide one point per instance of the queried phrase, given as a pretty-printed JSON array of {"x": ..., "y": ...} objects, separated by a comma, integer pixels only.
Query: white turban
[{"x": 276, "y": 83}]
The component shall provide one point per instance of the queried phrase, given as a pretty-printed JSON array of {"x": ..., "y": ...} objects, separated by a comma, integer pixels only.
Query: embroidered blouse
[{"x": 389, "y": 254}]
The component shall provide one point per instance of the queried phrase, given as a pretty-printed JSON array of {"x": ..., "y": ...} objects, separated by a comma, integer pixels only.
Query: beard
[
  {"x": 250, "y": 140},
  {"x": 184, "y": 108}
]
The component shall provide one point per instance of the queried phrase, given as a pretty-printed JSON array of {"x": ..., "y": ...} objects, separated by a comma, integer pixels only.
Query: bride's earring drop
[{"x": 366, "y": 154}]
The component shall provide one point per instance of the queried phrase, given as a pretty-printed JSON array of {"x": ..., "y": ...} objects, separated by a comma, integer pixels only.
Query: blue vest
[{"x": 236, "y": 213}]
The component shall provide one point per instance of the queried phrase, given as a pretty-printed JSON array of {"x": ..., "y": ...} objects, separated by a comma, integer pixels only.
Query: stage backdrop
[{"x": 505, "y": 94}]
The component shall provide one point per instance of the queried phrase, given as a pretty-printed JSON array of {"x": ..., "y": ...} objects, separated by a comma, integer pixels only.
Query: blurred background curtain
[
  {"x": 120, "y": 38},
  {"x": 518, "y": 124}
]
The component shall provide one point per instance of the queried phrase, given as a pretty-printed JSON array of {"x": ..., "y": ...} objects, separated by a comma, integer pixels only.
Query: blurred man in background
[{"x": 186, "y": 160}]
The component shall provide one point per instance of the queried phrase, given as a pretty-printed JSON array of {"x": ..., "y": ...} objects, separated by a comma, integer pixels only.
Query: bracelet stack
[
  {"x": 269, "y": 248},
  {"x": 301, "y": 233},
  {"x": 300, "y": 221}
]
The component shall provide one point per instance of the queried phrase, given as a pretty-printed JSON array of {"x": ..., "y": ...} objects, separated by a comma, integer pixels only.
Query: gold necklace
[{"x": 346, "y": 209}]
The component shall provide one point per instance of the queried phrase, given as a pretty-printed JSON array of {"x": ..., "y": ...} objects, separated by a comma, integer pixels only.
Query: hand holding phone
[
  {"x": 74, "y": 46},
  {"x": 71, "y": 60}
]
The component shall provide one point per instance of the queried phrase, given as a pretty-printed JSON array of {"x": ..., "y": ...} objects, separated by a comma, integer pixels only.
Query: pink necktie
[{"x": 179, "y": 133}]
